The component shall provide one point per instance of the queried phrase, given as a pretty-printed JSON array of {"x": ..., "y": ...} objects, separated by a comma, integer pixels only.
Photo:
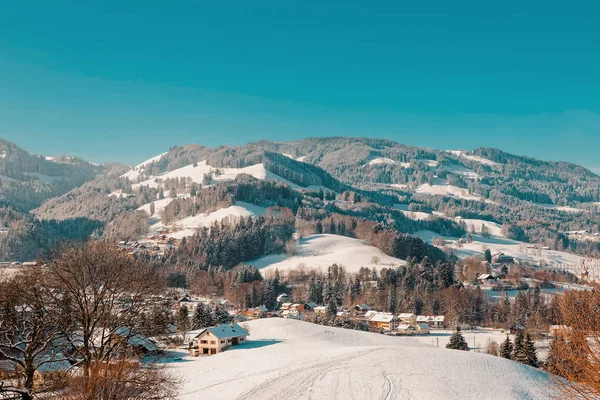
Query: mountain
[
  {"x": 406, "y": 189},
  {"x": 27, "y": 180}
]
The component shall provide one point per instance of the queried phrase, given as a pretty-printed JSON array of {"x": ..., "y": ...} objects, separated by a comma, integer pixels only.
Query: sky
[{"x": 124, "y": 81}]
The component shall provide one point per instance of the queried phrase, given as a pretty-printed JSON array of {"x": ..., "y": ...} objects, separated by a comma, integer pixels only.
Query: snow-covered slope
[
  {"x": 320, "y": 251},
  {"x": 135, "y": 171},
  {"x": 441, "y": 187},
  {"x": 289, "y": 359},
  {"x": 188, "y": 226},
  {"x": 466, "y": 156}
]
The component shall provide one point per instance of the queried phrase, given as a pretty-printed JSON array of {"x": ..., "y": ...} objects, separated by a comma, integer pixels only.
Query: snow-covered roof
[
  {"x": 430, "y": 318},
  {"x": 406, "y": 315},
  {"x": 403, "y": 327},
  {"x": 484, "y": 277},
  {"x": 225, "y": 331},
  {"x": 383, "y": 317}
]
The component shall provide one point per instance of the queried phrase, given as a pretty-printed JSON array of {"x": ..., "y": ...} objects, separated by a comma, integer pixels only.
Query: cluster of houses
[
  {"x": 155, "y": 244},
  {"x": 16, "y": 264},
  {"x": 381, "y": 322}
]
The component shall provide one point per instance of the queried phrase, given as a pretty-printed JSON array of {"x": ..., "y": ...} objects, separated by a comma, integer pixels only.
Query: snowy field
[
  {"x": 552, "y": 258},
  {"x": 289, "y": 359},
  {"x": 320, "y": 251}
]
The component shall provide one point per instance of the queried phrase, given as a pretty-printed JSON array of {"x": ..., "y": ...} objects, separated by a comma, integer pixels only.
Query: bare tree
[
  {"x": 27, "y": 331},
  {"x": 574, "y": 350},
  {"x": 105, "y": 292}
]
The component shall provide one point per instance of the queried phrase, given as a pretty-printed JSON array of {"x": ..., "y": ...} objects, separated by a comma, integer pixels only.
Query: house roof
[
  {"x": 423, "y": 326},
  {"x": 261, "y": 309},
  {"x": 383, "y": 317},
  {"x": 312, "y": 305},
  {"x": 363, "y": 307},
  {"x": 403, "y": 327},
  {"x": 406, "y": 315},
  {"x": 484, "y": 276},
  {"x": 225, "y": 331},
  {"x": 430, "y": 318}
]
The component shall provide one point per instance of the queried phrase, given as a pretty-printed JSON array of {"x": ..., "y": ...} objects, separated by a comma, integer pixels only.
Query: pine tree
[
  {"x": 222, "y": 316},
  {"x": 152, "y": 208},
  {"x": 319, "y": 227},
  {"x": 182, "y": 319},
  {"x": 507, "y": 348},
  {"x": 518, "y": 353},
  {"x": 530, "y": 351},
  {"x": 488, "y": 256},
  {"x": 457, "y": 341},
  {"x": 173, "y": 193},
  {"x": 202, "y": 317},
  {"x": 161, "y": 194},
  {"x": 392, "y": 300}
]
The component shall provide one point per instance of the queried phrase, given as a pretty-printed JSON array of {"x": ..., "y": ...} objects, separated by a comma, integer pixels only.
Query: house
[
  {"x": 310, "y": 306},
  {"x": 407, "y": 329},
  {"x": 370, "y": 314},
  {"x": 217, "y": 339},
  {"x": 284, "y": 298},
  {"x": 321, "y": 309},
  {"x": 485, "y": 278},
  {"x": 383, "y": 322},
  {"x": 501, "y": 258},
  {"x": 433, "y": 321},
  {"x": 516, "y": 328},
  {"x": 408, "y": 318},
  {"x": 362, "y": 308},
  {"x": 422, "y": 329}
]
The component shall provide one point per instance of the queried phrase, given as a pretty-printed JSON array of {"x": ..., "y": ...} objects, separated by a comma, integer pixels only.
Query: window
[
  {"x": 213, "y": 342},
  {"x": 241, "y": 339},
  {"x": 204, "y": 341},
  {"x": 222, "y": 341}
]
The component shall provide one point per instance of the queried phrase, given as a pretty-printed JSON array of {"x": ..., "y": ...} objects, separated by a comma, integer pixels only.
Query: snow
[
  {"x": 401, "y": 186},
  {"x": 461, "y": 170},
  {"x": 290, "y": 359},
  {"x": 560, "y": 208},
  {"x": 44, "y": 178},
  {"x": 493, "y": 228},
  {"x": 552, "y": 258},
  {"x": 441, "y": 187},
  {"x": 135, "y": 172},
  {"x": 197, "y": 175},
  {"x": 416, "y": 215},
  {"x": 190, "y": 225},
  {"x": 321, "y": 251},
  {"x": 481, "y": 160},
  {"x": 301, "y": 159}
]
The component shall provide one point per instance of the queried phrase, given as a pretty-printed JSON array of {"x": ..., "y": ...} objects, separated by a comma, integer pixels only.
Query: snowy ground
[
  {"x": 320, "y": 251},
  {"x": 441, "y": 187},
  {"x": 553, "y": 259},
  {"x": 188, "y": 226},
  {"x": 289, "y": 359}
]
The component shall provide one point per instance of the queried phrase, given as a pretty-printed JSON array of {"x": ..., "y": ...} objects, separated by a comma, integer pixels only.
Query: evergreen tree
[
  {"x": 457, "y": 341},
  {"x": 392, "y": 300},
  {"x": 530, "y": 351},
  {"x": 248, "y": 300},
  {"x": 319, "y": 227},
  {"x": 488, "y": 256},
  {"x": 254, "y": 299},
  {"x": 331, "y": 226},
  {"x": 173, "y": 193},
  {"x": 152, "y": 208},
  {"x": 506, "y": 349},
  {"x": 222, "y": 316},
  {"x": 518, "y": 353},
  {"x": 161, "y": 194},
  {"x": 202, "y": 317},
  {"x": 182, "y": 319}
]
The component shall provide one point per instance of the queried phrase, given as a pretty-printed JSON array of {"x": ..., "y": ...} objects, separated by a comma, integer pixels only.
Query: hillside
[
  {"x": 297, "y": 360},
  {"x": 405, "y": 188},
  {"x": 321, "y": 251}
]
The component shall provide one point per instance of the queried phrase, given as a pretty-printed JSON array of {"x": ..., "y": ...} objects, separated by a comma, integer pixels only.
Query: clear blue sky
[{"x": 124, "y": 80}]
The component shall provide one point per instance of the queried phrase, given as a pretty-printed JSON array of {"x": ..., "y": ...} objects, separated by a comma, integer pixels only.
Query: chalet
[
  {"x": 310, "y": 306},
  {"x": 433, "y": 321},
  {"x": 407, "y": 329},
  {"x": 422, "y": 329},
  {"x": 321, "y": 309},
  {"x": 501, "y": 258},
  {"x": 486, "y": 278},
  {"x": 383, "y": 322},
  {"x": 284, "y": 298},
  {"x": 408, "y": 318},
  {"x": 516, "y": 328},
  {"x": 217, "y": 339},
  {"x": 362, "y": 308}
]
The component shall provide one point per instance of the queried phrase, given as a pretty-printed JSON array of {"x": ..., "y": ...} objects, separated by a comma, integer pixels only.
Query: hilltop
[{"x": 291, "y": 359}]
